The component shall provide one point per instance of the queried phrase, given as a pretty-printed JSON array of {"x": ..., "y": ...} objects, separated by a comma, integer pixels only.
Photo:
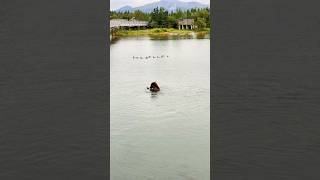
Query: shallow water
[{"x": 162, "y": 135}]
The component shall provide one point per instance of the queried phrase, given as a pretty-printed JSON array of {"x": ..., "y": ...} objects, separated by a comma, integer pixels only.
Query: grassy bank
[{"x": 162, "y": 32}]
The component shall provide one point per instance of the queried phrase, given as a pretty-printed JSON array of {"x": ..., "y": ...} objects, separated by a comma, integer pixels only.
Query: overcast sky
[{"x": 115, "y": 4}]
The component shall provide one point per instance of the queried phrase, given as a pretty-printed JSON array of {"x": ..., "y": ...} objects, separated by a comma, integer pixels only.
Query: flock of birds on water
[{"x": 150, "y": 57}]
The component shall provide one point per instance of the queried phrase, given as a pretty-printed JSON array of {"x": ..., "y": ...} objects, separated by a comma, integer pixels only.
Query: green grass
[{"x": 161, "y": 32}]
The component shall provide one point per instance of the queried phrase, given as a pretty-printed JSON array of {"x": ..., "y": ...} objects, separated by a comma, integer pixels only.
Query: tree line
[{"x": 161, "y": 18}]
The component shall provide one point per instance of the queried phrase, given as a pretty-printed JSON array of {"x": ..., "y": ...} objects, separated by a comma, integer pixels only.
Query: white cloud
[{"x": 115, "y": 4}]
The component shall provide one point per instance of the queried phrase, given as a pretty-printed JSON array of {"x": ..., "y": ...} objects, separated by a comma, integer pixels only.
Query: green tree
[
  {"x": 159, "y": 18},
  {"x": 200, "y": 23},
  {"x": 172, "y": 22},
  {"x": 139, "y": 15}
]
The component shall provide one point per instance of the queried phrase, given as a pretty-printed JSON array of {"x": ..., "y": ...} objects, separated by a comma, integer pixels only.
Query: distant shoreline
[{"x": 162, "y": 32}]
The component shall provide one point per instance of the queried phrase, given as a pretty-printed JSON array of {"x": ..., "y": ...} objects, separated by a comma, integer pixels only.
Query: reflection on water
[
  {"x": 202, "y": 35},
  {"x": 194, "y": 35},
  {"x": 162, "y": 135},
  {"x": 154, "y": 95},
  {"x": 170, "y": 36}
]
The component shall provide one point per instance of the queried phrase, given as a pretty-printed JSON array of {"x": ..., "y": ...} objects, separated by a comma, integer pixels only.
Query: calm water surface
[{"x": 163, "y": 135}]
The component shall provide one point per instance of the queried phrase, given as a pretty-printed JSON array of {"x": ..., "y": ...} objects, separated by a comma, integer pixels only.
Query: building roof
[
  {"x": 127, "y": 23},
  {"x": 186, "y": 21}
]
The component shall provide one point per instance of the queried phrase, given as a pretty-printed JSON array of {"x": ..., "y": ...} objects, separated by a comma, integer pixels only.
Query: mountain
[
  {"x": 169, "y": 5},
  {"x": 125, "y": 8}
]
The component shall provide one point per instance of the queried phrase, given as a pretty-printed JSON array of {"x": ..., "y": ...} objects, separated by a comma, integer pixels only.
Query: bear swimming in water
[{"x": 154, "y": 87}]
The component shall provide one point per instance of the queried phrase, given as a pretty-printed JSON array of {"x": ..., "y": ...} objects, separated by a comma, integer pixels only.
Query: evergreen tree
[{"x": 161, "y": 18}]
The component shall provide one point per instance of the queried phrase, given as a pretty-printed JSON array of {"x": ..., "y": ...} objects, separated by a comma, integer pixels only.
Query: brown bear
[{"x": 154, "y": 87}]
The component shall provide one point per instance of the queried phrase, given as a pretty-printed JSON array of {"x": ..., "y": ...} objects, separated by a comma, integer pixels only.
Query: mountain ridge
[{"x": 169, "y": 5}]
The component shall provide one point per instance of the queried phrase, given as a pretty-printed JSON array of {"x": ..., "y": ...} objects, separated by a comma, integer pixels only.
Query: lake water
[{"x": 162, "y": 135}]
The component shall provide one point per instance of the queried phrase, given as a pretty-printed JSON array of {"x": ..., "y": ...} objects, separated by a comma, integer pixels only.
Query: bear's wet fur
[{"x": 154, "y": 87}]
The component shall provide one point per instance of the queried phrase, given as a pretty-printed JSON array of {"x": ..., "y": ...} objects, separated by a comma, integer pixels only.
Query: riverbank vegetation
[
  {"x": 161, "y": 18},
  {"x": 161, "y": 32}
]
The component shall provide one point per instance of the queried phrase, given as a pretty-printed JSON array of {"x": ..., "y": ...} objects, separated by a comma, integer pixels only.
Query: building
[
  {"x": 186, "y": 24},
  {"x": 124, "y": 23},
  {"x": 116, "y": 24}
]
